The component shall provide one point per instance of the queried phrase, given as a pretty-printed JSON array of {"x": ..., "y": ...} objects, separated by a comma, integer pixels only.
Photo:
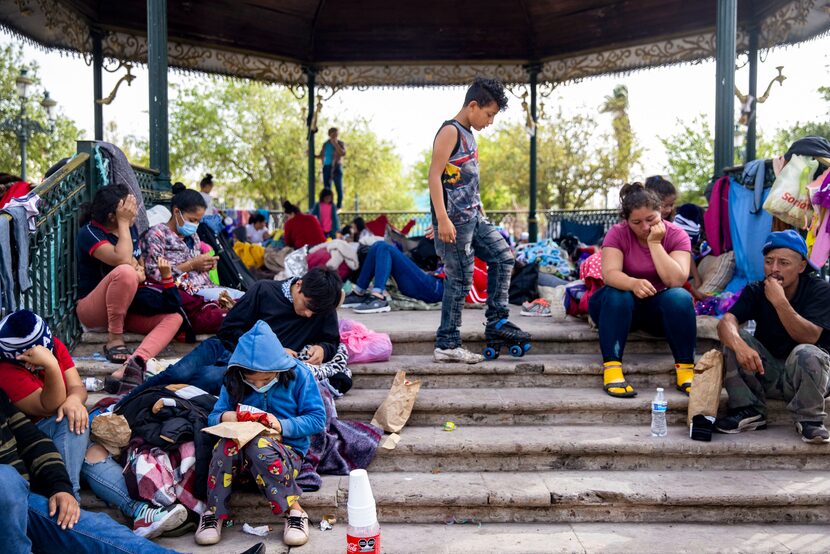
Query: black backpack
[{"x": 232, "y": 272}]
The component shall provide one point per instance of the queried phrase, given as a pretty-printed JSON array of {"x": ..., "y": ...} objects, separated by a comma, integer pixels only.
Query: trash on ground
[
  {"x": 260, "y": 531},
  {"x": 449, "y": 426}
]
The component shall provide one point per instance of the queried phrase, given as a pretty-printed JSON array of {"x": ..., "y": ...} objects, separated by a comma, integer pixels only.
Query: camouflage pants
[{"x": 802, "y": 380}]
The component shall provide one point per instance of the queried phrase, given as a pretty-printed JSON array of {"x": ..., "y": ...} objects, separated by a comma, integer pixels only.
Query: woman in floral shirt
[{"x": 177, "y": 242}]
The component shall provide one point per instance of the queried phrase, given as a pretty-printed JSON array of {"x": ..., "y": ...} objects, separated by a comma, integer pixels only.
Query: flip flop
[
  {"x": 620, "y": 385},
  {"x": 619, "y": 381},
  {"x": 117, "y": 354}
]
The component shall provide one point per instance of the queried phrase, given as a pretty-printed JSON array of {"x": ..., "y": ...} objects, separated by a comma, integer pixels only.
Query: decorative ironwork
[
  {"x": 606, "y": 218},
  {"x": 53, "y": 264},
  {"x": 128, "y": 78},
  {"x": 152, "y": 192}
]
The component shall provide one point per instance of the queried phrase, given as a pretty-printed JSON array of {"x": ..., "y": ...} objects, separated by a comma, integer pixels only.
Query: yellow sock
[
  {"x": 685, "y": 374},
  {"x": 612, "y": 373}
]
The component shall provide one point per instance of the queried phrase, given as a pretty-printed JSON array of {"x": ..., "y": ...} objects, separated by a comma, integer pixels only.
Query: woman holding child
[{"x": 645, "y": 263}]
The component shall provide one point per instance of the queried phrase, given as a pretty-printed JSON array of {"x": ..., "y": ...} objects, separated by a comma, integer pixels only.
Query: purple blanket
[{"x": 344, "y": 445}]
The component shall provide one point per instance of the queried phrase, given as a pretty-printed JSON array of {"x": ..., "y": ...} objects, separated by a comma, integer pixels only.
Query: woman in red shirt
[{"x": 301, "y": 229}]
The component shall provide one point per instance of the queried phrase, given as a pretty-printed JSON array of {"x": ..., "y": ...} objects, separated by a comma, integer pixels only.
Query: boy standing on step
[{"x": 463, "y": 231}]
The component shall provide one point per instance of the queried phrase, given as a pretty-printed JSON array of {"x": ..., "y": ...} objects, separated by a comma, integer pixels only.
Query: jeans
[
  {"x": 475, "y": 239},
  {"x": 670, "y": 313},
  {"x": 204, "y": 367},
  {"x": 384, "y": 260},
  {"x": 27, "y": 526},
  {"x": 71, "y": 446},
  {"x": 337, "y": 177},
  {"x": 106, "y": 479},
  {"x": 802, "y": 380}
]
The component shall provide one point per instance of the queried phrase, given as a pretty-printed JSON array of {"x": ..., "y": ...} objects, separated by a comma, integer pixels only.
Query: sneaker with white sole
[
  {"x": 743, "y": 419},
  {"x": 353, "y": 300},
  {"x": 373, "y": 305},
  {"x": 812, "y": 432},
  {"x": 458, "y": 354},
  {"x": 537, "y": 308},
  {"x": 210, "y": 529},
  {"x": 151, "y": 522},
  {"x": 296, "y": 528}
]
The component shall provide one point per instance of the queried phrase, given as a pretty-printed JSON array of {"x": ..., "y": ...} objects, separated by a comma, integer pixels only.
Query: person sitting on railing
[
  {"x": 645, "y": 262},
  {"x": 301, "y": 229},
  {"x": 39, "y": 376},
  {"x": 177, "y": 242},
  {"x": 326, "y": 212},
  {"x": 385, "y": 260},
  {"x": 109, "y": 273}
]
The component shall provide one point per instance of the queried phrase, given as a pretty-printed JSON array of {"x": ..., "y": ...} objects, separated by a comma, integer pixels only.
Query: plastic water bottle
[
  {"x": 658, "y": 415},
  {"x": 94, "y": 384},
  {"x": 363, "y": 531}
]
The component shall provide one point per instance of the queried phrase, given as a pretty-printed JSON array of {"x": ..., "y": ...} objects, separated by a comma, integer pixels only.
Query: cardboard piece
[
  {"x": 704, "y": 398},
  {"x": 394, "y": 411},
  {"x": 242, "y": 432}
]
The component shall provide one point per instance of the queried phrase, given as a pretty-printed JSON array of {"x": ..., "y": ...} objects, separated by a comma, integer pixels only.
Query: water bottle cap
[{"x": 659, "y": 389}]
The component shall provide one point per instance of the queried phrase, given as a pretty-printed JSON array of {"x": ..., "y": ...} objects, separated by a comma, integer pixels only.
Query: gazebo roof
[{"x": 415, "y": 43}]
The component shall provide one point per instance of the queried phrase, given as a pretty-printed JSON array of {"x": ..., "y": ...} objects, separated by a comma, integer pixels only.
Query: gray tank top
[{"x": 460, "y": 179}]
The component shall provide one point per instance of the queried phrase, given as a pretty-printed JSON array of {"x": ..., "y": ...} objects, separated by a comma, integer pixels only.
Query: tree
[
  {"x": 785, "y": 137},
  {"x": 691, "y": 157},
  {"x": 625, "y": 155},
  {"x": 252, "y": 138},
  {"x": 44, "y": 149}
]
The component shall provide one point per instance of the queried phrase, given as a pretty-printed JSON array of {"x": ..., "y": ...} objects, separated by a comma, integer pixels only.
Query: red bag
[{"x": 205, "y": 317}]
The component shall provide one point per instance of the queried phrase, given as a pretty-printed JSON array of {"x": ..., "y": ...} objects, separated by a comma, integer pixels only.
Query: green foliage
[
  {"x": 625, "y": 155},
  {"x": 691, "y": 157},
  {"x": 252, "y": 138},
  {"x": 44, "y": 149}
]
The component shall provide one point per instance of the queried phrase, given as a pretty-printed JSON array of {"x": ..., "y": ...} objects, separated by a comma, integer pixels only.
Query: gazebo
[{"x": 365, "y": 43}]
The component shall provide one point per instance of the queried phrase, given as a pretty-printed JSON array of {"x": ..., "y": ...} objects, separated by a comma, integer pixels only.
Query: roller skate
[{"x": 505, "y": 333}]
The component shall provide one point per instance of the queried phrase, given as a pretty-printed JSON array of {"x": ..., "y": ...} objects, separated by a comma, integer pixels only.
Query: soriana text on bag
[{"x": 789, "y": 199}]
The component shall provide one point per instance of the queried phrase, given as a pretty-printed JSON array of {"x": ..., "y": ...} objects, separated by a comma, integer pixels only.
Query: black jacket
[
  {"x": 266, "y": 301},
  {"x": 167, "y": 416}
]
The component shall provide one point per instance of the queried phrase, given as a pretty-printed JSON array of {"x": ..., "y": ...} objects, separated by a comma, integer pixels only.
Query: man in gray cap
[{"x": 787, "y": 358}]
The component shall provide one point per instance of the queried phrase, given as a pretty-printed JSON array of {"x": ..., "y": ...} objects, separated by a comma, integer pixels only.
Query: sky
[{"x": 409, "y": 118}]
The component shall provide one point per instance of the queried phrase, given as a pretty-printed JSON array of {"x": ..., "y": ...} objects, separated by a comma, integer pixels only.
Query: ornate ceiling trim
[{"x": 50, "y": 24}]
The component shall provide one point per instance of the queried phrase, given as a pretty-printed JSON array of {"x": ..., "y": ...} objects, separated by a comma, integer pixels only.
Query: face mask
[
  {"x": 187, "y": 228},
  {"x": 263, "y": 389}
]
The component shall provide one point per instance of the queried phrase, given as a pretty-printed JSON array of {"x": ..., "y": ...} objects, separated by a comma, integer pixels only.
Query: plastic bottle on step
[
  {"x": 659, "y": 406},
  {"x": 94, "y": 384},
  {"x": 363, "y": 531}
]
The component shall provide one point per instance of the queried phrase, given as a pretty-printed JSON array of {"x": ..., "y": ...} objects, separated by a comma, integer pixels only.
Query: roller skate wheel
[
  {"x": 526, "y": 346},
  {"x": 490, "y": 353},
  {"x": 517, "y": 351}
]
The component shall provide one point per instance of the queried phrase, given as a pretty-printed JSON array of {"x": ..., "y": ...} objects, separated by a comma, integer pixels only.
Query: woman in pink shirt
[{"x": 645, "y": 262}]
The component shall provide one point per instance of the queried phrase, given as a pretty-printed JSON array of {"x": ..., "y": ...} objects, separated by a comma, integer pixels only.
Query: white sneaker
[
  {"x": 296, "y": 528},
  {"x": 151, "y": 522},
  {"x": 458, "y": 354}
]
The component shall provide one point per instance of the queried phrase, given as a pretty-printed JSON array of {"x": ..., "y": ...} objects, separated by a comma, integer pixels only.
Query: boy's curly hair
[{"x": 484, "y": 91}]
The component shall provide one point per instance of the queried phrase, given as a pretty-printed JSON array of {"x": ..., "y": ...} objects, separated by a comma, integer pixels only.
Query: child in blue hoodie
[{"x": 264, "y": 384}]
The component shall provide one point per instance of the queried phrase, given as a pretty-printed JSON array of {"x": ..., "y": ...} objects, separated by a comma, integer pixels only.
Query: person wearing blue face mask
[
  {"x": 263, "y": 383},
  {"x": 177, "y": 242}
]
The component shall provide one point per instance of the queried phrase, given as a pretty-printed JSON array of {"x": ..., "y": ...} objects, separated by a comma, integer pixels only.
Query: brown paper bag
[
  {"x": 706, "y": 385},
  {"x": 395, "y": 410},
  {"x": 242, "y": 432},
  {"x": 111, "y": 431}
]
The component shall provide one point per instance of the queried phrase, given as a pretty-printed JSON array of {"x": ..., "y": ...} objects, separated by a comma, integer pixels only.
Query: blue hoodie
[{"x": 298, "y": 407}]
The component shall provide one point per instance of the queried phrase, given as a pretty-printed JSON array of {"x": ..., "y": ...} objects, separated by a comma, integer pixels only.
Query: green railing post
[
  {"x": 751, "y": 132},
  {"x": 97, "y": 84},
  {"x": 725, "y": 43},
  {"x": 157, "y": 70},
  {"x": 532, "y": 223},
  {"x": 310, "y": 121}
]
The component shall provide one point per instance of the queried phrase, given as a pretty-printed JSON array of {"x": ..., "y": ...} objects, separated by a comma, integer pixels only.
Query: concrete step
[
  {"x": 533, "y": 370},
  {"x": 601, "y": 447},
  {"x": 90, "y": 349},
  {"x": 471, "y": 537},
  {"x": 721, "y": 497}
]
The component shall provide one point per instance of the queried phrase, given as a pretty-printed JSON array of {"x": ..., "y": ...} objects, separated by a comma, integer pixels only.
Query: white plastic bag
[{"x": 789, "y": 199}]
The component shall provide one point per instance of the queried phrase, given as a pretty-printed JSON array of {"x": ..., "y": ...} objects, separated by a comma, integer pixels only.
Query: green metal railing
[
  {"x": 606, "y": 218},
  {"x": 53, "y": 264}
]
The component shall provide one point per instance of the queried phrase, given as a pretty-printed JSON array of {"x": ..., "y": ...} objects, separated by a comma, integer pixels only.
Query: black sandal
[
  {"x": 117, "y": 354},
  {"x": 620, "y": 385}
]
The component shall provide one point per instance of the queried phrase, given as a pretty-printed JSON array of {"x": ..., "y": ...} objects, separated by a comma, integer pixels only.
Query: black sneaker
[
  {"x": 373, "y": 305},
  {"x": 813, "y": 432},
  {"x": 745, "y": 419},
  {"x": 353, "y": 300}
]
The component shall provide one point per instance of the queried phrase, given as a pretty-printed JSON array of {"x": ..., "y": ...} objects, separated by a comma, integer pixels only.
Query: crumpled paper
[{"x": 112, "y": 431}]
